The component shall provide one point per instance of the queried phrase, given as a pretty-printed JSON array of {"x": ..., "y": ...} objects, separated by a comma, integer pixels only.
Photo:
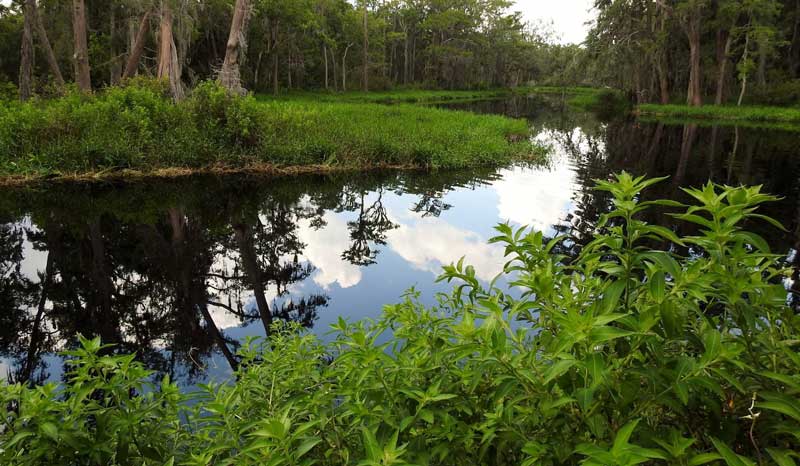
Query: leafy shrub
[{"x": 622, "y": 355}]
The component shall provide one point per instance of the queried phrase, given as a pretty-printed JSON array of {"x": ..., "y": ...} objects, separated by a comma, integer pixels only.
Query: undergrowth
[{"x": 625, "y": 354}]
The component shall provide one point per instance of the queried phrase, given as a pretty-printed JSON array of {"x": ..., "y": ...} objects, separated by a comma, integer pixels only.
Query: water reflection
[{"x": 181, "y": 271}]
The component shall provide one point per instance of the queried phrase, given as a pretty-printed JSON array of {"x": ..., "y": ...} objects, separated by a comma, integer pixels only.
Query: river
[{"x": 174, "y": 269}]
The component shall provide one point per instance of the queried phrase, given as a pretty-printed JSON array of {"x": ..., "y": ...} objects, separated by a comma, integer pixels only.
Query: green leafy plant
[{"x": 629, "y": 353}]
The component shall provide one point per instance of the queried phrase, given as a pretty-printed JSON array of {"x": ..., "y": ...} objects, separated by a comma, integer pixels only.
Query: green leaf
[
  {"x": 657, "y": 286},
  {"x": 731, "y": 458},
  {"x": 622, "y": 437},
  {"x": 307, "y": 445},
  {"x": 781, "y": 457},
  {"x": 712, "y": 342},
  {"x": 606, "y": 333},
  {"x": 557, "y": 369},
  {"x": 704, "y": 458},
  {"x": 49, "y": 429}
]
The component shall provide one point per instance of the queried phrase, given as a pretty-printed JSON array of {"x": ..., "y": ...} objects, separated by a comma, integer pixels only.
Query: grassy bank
[
  {"x": 722, "y": 113},
  {"x": 138, "y": 128},
  {"x": 434, "y": 96},
  {"x": 663, "y": 361}
]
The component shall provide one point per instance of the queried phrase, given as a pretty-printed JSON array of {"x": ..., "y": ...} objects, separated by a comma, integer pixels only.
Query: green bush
[{"x": 622, "y": 355}]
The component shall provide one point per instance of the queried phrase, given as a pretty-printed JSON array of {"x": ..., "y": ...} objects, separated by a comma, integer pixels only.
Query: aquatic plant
[{"x": 627, "y": 353}]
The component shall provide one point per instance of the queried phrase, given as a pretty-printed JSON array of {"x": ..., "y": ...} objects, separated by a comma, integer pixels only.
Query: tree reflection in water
[{"x": 153, "y": 267}]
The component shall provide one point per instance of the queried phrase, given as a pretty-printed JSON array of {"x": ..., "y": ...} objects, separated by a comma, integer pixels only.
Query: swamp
[{"x": 437, "y": 232}]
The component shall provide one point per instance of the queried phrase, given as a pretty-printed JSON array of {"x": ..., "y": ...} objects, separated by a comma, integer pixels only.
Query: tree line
[
  {"x": 698, "y": 51},
  {"x": 275, "y": 45}
]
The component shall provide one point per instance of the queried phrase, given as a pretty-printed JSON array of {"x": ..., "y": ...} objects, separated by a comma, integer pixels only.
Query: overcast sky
[{"x": 568, "y": 16}]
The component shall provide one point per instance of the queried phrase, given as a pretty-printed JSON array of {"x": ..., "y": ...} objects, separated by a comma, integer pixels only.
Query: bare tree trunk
[
  {"x": 761, "y": 76},
  {"x": 138, "y": 47},
  {"x": 744, "y": 59},
  {"x": 257, "y": 70},
  {"x": 44, "y": 41},
  {"x": 344, "y": 68},
  {"x": 694, "y": 95},
  {"x": 365, "y": 83},
  {"x": 274, "y": 51},
  {"x": 325, "y": 55},
  {"x": 229, "y": 75},
  {"x": 115, "y": 72},
  {"x": 26, "y": 54},
  {"x": 82, "y": 72},
  {"x": 794, "y": 48},
  {"x": 405, "y": 59},
  {"x": 722, "y": 63},
  {"x": 168, "y": 66}
]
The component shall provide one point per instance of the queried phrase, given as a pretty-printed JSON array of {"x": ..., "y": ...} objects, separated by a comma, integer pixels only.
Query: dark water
[{"x": 174, "y": 269}]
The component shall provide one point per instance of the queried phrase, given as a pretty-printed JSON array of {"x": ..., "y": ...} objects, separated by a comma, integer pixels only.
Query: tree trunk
[
  {"x": 405, "y": 59},
  {"x": 44, "y": 41},
  {"x": 82, "y": 72},
  {"x": 138, "y": 47},
  {"x": 229, "y": 75},
  {"x": 168, "y": 67},
  {"x": 761, "y": 76},
  {"x": 365, "y": 83},
  {"x": 344, "y": 68},
  {"x": 794, "y": 48},
  {"x": 26, "y": 54},
  {"x": 325, "y": 55},
  {"x": 244, "y": 237},
  {"x": 115, "y": 72},
  {"x": 723, "y": 37},
  {"x": 694, "y": 95},
  {"x": 744, "y": 60},
  {"x": 274, "y": 51}
]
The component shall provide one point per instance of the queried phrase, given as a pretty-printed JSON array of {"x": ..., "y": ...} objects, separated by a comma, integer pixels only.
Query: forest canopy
[{"x": 281, "y": 44}]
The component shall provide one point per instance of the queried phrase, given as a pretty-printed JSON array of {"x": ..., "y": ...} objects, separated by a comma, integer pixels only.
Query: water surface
[{"x": 173, "y": 270}]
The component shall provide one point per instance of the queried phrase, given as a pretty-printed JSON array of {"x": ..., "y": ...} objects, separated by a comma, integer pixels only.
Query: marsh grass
[
  {"x": 138, "y": 128},
  {"x": 722, "y": 113}
]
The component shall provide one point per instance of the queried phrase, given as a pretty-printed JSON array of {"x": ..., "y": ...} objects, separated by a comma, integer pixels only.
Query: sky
[{"x": 568, "y": 16}]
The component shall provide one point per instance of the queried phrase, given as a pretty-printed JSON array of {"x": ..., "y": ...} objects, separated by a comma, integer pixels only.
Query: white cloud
[
  {"x": 569, "y": 17},
  {"x": 536, "y": 197},
  {"x": 324, "y": 249},
  {"x": 430, "y": 243}
]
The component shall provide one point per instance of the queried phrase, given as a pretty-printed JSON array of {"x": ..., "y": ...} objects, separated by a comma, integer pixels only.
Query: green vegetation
[
  {"x": 722, "y": 112},
  {"x": 139, "y": 128},
  {"x": 621, "y": 355}
]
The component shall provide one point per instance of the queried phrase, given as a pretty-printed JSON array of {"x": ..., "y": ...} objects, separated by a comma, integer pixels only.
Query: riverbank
[
  {"x": 727, "y": 113},
  {"x": 137, "y": 129},
  {"x": 576, "y": 94}
]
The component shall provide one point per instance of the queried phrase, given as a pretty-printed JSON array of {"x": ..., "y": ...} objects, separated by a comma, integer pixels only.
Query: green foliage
[
  {"x": 722, "y": 112},
  {"x": 138, "y": 127},
  {"x": 622, "y": 355},
  {"x": 8, "y": 91}
]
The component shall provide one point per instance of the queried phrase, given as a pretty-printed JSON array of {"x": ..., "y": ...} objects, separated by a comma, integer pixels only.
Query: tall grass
[
  {"x": 139, "y": 128},
  {"x": 722, "y": 112}
]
